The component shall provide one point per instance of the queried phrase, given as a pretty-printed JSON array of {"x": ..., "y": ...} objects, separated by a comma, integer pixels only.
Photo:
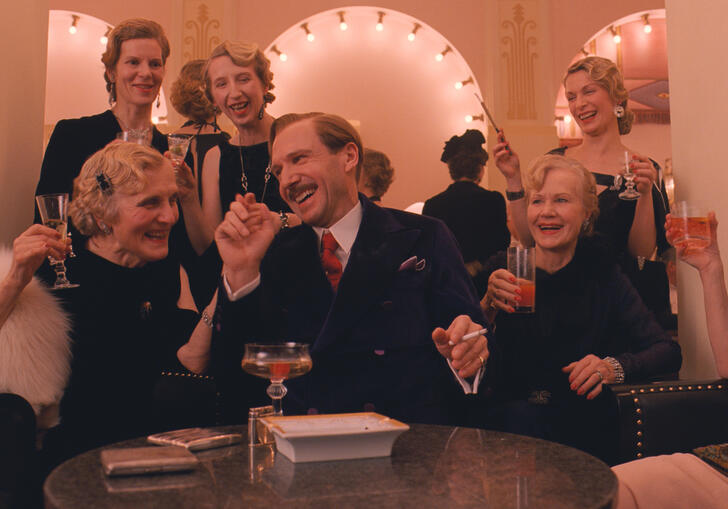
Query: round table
[{"x": 430, "y": 466}]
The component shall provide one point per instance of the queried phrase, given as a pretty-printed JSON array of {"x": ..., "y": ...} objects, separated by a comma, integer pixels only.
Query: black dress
[
  {"x": 126, "y": 331},
  {"x": 256, "y": 160},
  {"x": 203, "y": 143},
  {"x": 615, "y": 221},
  {"x": 73, "y": 141},
  {"x": 477, "y": 218},
  {"x": 587, "y": 307}
]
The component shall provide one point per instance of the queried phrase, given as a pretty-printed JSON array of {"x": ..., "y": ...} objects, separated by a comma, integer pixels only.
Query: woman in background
[
  {"x": 189, "y": 99},
  {"x": 238, "y": 81},
  {"x": 476, "y": 216},
  {"x": 376, "y": 175}
]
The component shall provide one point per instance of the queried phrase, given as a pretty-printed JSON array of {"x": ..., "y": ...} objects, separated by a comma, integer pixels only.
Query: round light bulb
[
  {"x": 647, "y": 28},
  {"x": 72, "y": 30},
  {"x": 439, "y": 57},
  {"x": 379, "y": 27},
  {"x": 411, "y": 37},
  {"x": 567, "y": 119},
  {"x": 310, "y": 37},
  {"x": 617, "y": 39},
  {"x": 283, "y": 57},
  {"x": 458, "y": 85},
  {"x": 343, "y": 26},
  {"x": 468, "y": 118},
  {"x": 104, "y": 40}
]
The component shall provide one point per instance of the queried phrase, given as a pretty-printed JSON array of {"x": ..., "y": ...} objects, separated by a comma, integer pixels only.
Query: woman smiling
[{"x": 589, "y": 328}]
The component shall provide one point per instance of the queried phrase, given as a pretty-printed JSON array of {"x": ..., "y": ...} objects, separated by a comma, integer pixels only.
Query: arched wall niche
[{"x": 385, "y": 84}]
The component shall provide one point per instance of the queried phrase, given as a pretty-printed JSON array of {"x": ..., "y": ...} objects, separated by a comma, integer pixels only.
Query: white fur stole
[{"x": 35, "y": 347}]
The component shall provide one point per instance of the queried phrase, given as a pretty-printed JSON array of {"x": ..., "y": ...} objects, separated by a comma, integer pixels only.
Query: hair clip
[{"x": 103, "y": 182}]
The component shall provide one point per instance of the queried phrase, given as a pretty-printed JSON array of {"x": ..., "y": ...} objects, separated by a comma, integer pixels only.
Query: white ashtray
[{"x": 329, "y": 437}]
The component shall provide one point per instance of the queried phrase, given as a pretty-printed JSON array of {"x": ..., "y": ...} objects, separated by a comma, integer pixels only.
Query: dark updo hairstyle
[
  {"x": 188, "y": 93},
  {"x": 464, "y": 155}
]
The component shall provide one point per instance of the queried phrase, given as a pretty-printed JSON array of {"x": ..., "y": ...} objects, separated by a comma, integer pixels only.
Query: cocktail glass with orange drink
[
  {"x": 522, "y": 264},
  {"x": 690, "y": 222}
]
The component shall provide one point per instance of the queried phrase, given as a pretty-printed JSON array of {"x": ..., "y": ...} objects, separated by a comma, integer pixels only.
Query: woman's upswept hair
[
  {"x": 242, "y": 54},
  {"x": 378, "y": 173},
  {"x": 188, "y": 93},
  {"x": 539, "y": 168},
  {"x": 117, "y": 168},
  {"x": 605, "y": 72},
  {"x": 464, "y": 155}
]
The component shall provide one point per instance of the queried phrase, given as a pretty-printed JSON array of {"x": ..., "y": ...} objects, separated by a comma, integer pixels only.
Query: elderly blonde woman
[
  {"x": 238, "y": 81},
  {"x": 126, "y": 326},
  {"x": 589, "y": 328},
  {"x": 598, "y": 103}
]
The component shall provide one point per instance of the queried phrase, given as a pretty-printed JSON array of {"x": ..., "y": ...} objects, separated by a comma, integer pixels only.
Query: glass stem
[{"x": 276, "y": 390}]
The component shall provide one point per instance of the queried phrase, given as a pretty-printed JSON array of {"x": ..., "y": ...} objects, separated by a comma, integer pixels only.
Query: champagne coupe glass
[
  {"x": 178, "y": 145},
  {"x": 54, "y": 214},
  {"x": 277, "y": 362},
  {"x": 630, "y": 193}
]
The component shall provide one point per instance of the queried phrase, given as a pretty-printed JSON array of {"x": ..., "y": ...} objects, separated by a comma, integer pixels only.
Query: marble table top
[{"x": 430, "y": 466}]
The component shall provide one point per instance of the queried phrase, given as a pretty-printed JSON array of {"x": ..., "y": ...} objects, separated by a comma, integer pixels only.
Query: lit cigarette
[{"x": 470, "y": 336}]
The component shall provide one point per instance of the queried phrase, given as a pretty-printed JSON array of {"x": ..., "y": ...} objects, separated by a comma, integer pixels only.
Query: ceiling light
[
  {"x": 280, "y": 54},
  {"x": 442, "y": 54},
  {"x": 411, "y": 36},
  {"x": 380, "y": 24},
  {"x": 105, "y": 38},
  {"x": 309, "y": 36},
  {"x": 616, "y": 34},
  {"x": 72, "y": 29},
  {"x": 342, "y": 21},
  {"x": 470, "y": 118},
  {"x": 461, "y": 84},
  {"x": 646, "y": 20}
]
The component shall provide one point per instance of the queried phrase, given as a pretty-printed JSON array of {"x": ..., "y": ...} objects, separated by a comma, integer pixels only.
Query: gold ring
[
  {"x": 482, "y": 361},
  {"x": 601, "y": 377}
]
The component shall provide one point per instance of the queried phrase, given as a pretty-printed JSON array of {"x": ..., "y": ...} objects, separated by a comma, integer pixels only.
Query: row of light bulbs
[
  {"x": 617, "y": 32},
  {"x": 379, "y": 27},
  {"x": 73, "y": 29}
]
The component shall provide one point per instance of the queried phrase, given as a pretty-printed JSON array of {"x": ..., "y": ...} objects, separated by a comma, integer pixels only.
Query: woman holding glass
[
  {"x": 126, "y": 326},
  {"x": 134, "y": 61},
  {"x": 238, "y": 81},
  {"x": 589, "y": 327},
  {"x": 597, "y": 100}
]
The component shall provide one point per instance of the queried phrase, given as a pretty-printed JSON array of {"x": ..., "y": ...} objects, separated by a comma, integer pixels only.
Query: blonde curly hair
[
  {"x": 605, "y": 73},
  {"x": 117, "y": 168}
]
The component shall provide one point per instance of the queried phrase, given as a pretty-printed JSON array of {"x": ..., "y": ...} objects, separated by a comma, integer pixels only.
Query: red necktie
[{"x": 329, "y": 261}]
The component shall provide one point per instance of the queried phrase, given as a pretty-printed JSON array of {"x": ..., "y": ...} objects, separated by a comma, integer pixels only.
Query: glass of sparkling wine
[
  {"x": 691, "y": 224},
  {"x": 178, "y": 145},
  {"x": 277, "y": 362},
  {"x": 522, "y": 264},
  {"x": 54, "y": 214},
  {"x": 630, "y": 193}
]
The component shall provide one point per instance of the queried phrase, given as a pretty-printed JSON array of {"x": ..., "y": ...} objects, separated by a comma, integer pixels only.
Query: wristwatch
[
  {"x": 284, "y": 220},
  {"x": 515, "y": 195}
]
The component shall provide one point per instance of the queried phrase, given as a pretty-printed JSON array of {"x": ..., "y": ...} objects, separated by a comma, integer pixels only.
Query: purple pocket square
[{"x": 412, "y": 263}]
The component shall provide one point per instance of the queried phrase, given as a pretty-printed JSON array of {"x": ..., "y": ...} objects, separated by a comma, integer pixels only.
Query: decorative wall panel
[
  {"x": 202, "y": 28},
  {"x": 518, "y": 35}
]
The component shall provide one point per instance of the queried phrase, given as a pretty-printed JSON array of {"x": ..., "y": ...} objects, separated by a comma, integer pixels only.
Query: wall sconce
[
  {"x": 309, "y": 36},
  {"x": 72, "y": 29},
  {"x": 105, "y": 38},
  {"x": 616, "y": 34},
  {"x": 470, "y": 118},
  {"x": 280, "y": 54},
  {"x": 342, "y": 21},
  {"x": 411, "y": 36},
  {"x": 461, "y": 84},
  {"x": 380, "y": 24},
  {"x": 442, "y": 54},
  {"x": 646, "y": 20}
]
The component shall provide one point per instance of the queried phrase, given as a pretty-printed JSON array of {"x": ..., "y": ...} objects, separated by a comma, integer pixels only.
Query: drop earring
[
  {"x": 262, "y": 110},
  {"x": 158, "y": 101},
  {"x": 104, "y": 228},
  {"x": 619, "y": 111}
]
